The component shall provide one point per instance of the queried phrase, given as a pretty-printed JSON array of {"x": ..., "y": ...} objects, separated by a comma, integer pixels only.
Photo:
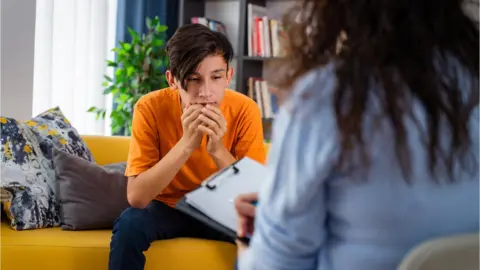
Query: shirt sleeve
[
  {"x": 289, "y": 225},
  {"x": 144, "y": 150},
  {"x": 250, "y": 141}
]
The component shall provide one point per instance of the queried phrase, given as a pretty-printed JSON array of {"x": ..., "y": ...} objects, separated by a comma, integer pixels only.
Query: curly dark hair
[{"x": 404, "y": 47}]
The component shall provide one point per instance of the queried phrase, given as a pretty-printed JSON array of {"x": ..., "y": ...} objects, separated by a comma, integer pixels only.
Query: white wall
[{"x": 17, "y": 53}]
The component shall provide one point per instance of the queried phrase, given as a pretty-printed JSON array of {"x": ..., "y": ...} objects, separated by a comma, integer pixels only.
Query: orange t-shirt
[{"x": 157, "y": 127}]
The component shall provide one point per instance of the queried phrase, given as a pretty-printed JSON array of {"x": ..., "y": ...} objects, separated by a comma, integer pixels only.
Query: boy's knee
[{"x": 130, "y": 224}]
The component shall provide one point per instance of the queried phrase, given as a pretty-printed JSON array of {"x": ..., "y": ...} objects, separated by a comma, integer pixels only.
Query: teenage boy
[{"x": 180, "y": 136}]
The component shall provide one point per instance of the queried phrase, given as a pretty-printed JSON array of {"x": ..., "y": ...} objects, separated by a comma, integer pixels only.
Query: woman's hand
[
  {"x": 244, "y": 204},
  {"x": 241, "y": 247}
]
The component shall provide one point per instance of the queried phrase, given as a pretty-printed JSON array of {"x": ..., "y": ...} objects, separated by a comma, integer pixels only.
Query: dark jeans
[{"x": 136, "y": 229}]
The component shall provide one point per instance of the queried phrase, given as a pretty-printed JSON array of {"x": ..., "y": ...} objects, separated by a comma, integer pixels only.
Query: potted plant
[{"x": 139, "y": 69}]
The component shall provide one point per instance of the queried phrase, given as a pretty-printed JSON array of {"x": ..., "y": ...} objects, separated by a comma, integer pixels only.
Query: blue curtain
[{"x": 132, "y": 13}]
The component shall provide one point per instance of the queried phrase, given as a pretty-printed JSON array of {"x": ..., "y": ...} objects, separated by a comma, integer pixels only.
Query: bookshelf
[{"x": 235, "y": 15}]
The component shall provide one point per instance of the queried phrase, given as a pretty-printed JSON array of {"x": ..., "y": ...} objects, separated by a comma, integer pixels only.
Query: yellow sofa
[{"x": 51, "y": 249}]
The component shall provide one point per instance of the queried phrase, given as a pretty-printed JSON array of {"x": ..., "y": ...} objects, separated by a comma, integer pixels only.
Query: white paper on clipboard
[{"x": 216, "y": 195}]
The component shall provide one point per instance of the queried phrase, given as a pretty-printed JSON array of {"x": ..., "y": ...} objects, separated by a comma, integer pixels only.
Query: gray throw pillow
[{"x": 90, "y": 196}]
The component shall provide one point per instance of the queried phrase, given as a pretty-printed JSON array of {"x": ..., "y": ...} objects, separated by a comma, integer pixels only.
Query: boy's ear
[
  {"x": 170, "y": 79},
  {"x": 229, "y": 74}
]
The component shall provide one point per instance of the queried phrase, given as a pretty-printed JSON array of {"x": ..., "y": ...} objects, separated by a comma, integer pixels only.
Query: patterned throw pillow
[
  {"x": 27, "y": 174},
  {"x": 27, "y": 166},
  {"x": 54, "y": 130}
]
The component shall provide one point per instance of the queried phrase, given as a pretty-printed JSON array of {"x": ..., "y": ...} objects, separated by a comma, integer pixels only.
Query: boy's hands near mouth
[
  {"x": 192, "y": 137},
  {"x": 215, "y": 127}
]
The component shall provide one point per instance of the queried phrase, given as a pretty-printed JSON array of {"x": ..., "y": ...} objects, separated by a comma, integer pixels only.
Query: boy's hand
[
  {"x": 191, "y": 137},
  {"x": 213, "y": 124}
]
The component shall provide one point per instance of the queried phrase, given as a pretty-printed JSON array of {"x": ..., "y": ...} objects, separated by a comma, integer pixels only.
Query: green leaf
[
  {"x": 130, "y": 71},
  {"x": 127, "y": 46},
  {"x": 125, "y": 115},
  {"x": 108, "y": 79},
  {"x": 105, "y": 84},
  {"x": 111, "y": 64},
  {"x": 149, "y": 51},
  {"x": 133, "y": 34},
  {"x": 98, "y": 112},
  {"x": 149, "y": 23},
  {"x": 124, "y": 97},
  {"x": 158, "y": 63},
  {"x": 123, "y": 89},
  {"x": 158, "y": 43},
  {"x": 161, "y": 28},
  {"x": 112, "y": 89},
  {"x": 119, "y": 72}
]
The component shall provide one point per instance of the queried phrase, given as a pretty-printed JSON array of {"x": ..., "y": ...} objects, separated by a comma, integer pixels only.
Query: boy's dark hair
[{"x": 190, "y": 44}]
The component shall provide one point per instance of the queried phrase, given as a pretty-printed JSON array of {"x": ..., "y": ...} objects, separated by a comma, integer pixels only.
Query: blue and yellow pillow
[
  {"x": 54, "y": 130},
  {"x": 27, "y": 166}
]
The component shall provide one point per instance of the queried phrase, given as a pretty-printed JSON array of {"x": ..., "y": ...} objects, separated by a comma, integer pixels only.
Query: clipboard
[
  {"x": 184, "y": 207},
  {"x": 212, "y": 203}
]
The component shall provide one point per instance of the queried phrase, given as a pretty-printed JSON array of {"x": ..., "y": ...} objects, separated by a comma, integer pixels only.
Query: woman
[{"x": 376, "y": 148}]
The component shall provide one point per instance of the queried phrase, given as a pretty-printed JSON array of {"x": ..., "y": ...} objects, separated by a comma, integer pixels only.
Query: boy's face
[{"x": 207, "y": 84}]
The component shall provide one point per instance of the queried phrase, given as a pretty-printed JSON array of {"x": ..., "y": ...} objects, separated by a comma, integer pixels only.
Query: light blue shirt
[{"x": 309, "y": 217}]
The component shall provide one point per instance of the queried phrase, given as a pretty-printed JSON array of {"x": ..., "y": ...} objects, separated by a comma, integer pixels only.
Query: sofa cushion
[
  {"x": 54, "y": 248},
  {"x": 90, "y": 196},
  {"x": 28, "y": 175},
  {"x": 27, "y": 169}
]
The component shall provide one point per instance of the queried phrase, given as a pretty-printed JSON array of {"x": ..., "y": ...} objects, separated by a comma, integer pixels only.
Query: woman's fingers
[
  {"x": 248, "y": 197},
  {"x": 246, "y": 213},
  {"x": 245, "y": 208}
]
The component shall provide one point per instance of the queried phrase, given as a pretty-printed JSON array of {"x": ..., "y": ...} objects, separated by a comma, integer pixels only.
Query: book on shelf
[
  {"x": 210, "y": 23},
  {"x": 266, "y": 36},
  {"x": 267, "y": 102}
]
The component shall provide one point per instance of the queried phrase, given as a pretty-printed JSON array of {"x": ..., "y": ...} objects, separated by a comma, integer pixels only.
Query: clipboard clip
[{"x": 212, "y": 186}]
